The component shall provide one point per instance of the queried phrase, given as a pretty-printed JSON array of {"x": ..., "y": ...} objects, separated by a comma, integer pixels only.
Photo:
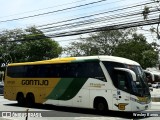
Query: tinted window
[
  {"x": 156, "y": 78},
  {"x": 148, "y": 77},
  {"x": 65, "y": 70},
  {"x": 121, "y": 79},
  {"x": 16, "y": 71},
  {"x": 90, "y": 70},
  {"x": 110, "y": 68}
]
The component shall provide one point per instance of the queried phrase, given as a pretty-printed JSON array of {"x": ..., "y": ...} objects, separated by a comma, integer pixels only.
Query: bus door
[{"x": 121, "y": 96}]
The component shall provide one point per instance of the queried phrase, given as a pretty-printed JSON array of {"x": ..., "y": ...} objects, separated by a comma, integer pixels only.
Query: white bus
[
  {"x": 152, "y": 76},
  {"x": 96, "y": 82}
]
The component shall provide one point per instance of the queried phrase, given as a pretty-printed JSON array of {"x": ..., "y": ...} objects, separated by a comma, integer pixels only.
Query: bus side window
[
  {"x": 73, "y": 70},
  {"x": 90, "y": 70},
  {"x": 122, "y": 80},
  {"x": 53, "y": 70},
  {"x": 31, "y": 71},
  {"x": 16, "y": 71},
  {"x": 42, "y": 71},
  {"x": 96, "y": 71}
]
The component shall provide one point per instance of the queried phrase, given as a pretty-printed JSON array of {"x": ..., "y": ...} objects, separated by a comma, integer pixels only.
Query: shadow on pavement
[{"x": 81, "y": 112}]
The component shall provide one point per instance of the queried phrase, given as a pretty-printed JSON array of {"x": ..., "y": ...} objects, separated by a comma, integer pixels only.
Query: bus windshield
[
  {"x": 139, "y": 86},
  {"x": 123, "y": 81}
]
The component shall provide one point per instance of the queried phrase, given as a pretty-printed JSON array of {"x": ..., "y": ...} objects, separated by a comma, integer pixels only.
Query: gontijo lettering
[{"x": 35, "y": 82}]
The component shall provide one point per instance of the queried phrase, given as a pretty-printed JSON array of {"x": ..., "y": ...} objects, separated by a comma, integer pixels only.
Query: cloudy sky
[{"x": 17, "y": 9}]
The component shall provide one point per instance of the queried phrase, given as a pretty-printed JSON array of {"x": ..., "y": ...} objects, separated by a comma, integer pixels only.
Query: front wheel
[{"x": 101, "y": 105}]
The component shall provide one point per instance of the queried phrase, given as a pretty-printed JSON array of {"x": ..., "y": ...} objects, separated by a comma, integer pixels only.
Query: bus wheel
[
  {"x": 100, "y": 104},
  {"x": 30, "y": 100},
  {"x": 20, "y": 99}
]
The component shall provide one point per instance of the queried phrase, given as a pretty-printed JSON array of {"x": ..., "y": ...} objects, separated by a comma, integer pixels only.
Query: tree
[
  {"x": 101, "y": 43},
  {"x": 139, "y": 50},
  {"x": 123, "y": 43},
  {"x": 154, "y": 29},
  {"x": 145, "y": 14},
  {"x": 40, "y": 50},
  {"x": 6, "y": 39},
  {"x": 27, "y": 45}
]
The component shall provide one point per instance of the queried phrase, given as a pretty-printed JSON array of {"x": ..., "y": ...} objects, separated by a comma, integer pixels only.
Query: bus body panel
[
  {"x": 74, "y": 91},
  {"x": 85, "y": 96}
]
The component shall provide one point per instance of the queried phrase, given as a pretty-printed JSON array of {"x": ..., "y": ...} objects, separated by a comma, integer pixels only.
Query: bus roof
[
  {"x": 79, "y": 59},
  {"x": 153, "y": 72}
]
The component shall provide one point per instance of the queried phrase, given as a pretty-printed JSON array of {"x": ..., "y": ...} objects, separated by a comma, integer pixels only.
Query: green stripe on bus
[
  {"x": 60, "y": 88},
  {"x": 73, "y": 88},
  {"x": 86, "y": 60},
  {"x": 67, "y": 88}
]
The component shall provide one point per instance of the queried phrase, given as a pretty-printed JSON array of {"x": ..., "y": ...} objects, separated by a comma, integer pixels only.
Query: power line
[
  {"x": 92, "y": 15},
  {"x": 112, "y": 2},
  {"x": 106, "y": 3},
  {"x": 105, "y": 28},
  {"x": 43, "y": 8},
  {"x": 103, "y": 4},
  {"x": 96, "y": 29},
  {"x": 53, "y": 11},
  {"x": 123, "y": 23},
  {"x": 129, "y": 16},
  {"x": 94, "y": 21}
]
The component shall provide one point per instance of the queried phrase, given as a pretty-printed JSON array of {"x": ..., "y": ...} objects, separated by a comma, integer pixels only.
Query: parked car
[
  {"x": 156, "y": 85},
  {"x": 150, "y": 86},
  {"x": 1, "y": 88}
]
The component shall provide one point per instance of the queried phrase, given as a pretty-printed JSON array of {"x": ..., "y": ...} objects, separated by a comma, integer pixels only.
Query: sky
[{"x": 13, "y": 9}]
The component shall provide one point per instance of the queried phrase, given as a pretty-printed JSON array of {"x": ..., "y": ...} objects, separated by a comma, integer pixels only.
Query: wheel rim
[{"x": 101, "y": 106}]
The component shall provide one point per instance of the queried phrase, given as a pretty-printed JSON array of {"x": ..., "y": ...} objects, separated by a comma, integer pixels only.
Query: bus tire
[
  {"x": 30, "y": 100},
  {"x": 20, "y": 99},
  {"x": 100, "y": 105}
]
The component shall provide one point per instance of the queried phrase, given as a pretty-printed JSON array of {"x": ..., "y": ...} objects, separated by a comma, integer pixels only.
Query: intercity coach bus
[{"x": 96, "y": 82}]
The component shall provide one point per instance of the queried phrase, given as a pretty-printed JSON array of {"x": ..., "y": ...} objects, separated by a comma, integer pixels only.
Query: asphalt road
[{"x": 50, "y": 112}]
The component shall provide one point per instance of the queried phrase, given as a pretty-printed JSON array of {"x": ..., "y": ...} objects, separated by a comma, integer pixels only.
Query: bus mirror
[{"x": 132, "y": 73}]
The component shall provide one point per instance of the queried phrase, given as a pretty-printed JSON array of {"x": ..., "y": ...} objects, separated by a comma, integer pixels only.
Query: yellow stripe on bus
[{"x": 52, "y": 61}]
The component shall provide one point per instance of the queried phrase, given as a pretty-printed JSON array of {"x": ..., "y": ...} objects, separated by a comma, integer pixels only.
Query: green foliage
[
  {"x": 139, "y": 50},
  {"x": 124, "y": 43},
  {"x": 102, "y": 43},
  {"x": 31, "y": 45},
  {"x": 40, "y": 50}
]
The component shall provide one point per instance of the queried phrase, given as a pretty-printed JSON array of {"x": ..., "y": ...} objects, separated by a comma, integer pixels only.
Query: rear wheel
[
  {"x": 20, "y": 99},
  {"x": 30, "y": 100}
]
